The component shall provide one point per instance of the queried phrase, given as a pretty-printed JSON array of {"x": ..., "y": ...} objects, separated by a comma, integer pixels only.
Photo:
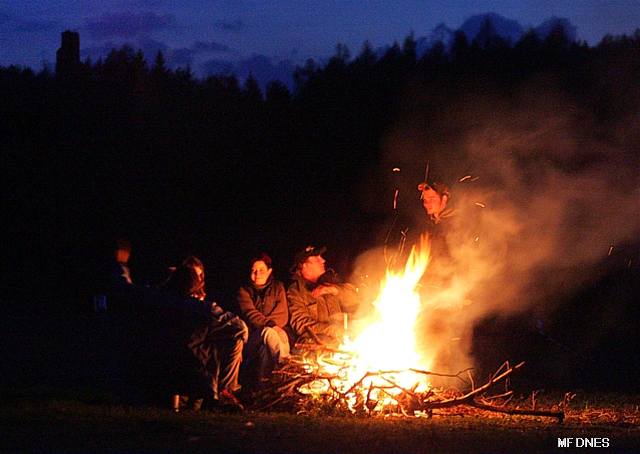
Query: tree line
[{"x": 218, "y": 167}]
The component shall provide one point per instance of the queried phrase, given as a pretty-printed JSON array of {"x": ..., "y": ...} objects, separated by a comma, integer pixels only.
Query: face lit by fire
[
  {"x": 313, "y": 268},
  {"x": 260, "y": 273},
  {"x": 433, "y": 202},
  {"x": 122, "y": 255},
  {"x": 199, "y": 272}
]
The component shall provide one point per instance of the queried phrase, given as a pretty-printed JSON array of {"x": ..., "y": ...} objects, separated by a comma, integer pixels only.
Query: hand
[
  {"x": 334, "y": 331},
  {"x": 280, "y": 331},
  {"x": 324, "y": 290}
]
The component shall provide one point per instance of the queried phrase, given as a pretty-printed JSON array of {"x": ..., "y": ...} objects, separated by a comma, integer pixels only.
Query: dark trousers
[{"x": 217, "y": 345}]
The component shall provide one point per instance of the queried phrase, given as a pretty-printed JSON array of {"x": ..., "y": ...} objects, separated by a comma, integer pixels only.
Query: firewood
[{"x": 290, "y": 385}]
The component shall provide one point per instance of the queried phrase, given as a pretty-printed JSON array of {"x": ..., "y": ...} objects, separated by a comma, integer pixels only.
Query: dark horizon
[{"x": 134, "y": 30}]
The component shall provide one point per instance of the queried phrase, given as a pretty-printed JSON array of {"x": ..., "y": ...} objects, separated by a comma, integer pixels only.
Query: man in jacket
[{"x": 317, "y": 301}]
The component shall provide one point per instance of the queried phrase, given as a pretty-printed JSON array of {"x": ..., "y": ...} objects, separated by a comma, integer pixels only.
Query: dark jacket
[
  {"x": 266, "y": 306},
  {"x": 321, "y": 316},
  {"x": 406, "y": 232},
  {"x": 437, "y": 231}
]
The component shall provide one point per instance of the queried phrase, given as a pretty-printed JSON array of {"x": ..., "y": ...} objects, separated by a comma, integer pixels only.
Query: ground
[
  {"x": 54, "y": 400},
  {"x": 40, "y": 421}
]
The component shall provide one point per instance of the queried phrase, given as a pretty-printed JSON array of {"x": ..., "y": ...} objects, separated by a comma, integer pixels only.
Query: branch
[{"x": 513, "y": 411}]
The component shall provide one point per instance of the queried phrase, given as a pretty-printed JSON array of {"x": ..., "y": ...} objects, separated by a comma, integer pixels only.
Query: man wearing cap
[{"x": 317, "y": 302}]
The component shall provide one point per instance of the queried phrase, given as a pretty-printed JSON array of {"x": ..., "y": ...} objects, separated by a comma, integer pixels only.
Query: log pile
[{"x": 303, "y": 385}]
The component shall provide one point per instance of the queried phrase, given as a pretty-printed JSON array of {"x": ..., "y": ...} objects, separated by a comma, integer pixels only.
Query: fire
[{"x": 377, "y": 365}]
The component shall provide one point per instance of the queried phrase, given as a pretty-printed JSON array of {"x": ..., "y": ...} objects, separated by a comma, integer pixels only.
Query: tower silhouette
[{"x": 68, "y": 56}]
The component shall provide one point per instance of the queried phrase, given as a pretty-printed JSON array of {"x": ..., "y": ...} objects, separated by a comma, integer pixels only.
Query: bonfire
[{"x": 379, "y": 371}]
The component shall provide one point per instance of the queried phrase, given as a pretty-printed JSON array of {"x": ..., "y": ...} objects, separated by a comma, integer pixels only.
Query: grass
[{"x": 39, "y": 420}]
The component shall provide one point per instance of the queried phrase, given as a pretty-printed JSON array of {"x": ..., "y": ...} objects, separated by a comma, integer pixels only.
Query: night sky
[{"x": 198, "y": 31}]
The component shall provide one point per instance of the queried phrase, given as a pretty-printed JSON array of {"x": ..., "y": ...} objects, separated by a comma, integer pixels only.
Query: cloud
[
  {"x": 97, "y": 52},
  {"x": 230, "y": 26},
  {"x": 211, "y": 46},
  {"x": 261, "y": 67},
  {"x": 217, "y": 67},
  {"x": 148, "y": 46},
  {"x": 181, "y": 57},
  {"x": 544, "y": 29},
  {"x": 175, "y": 57},
  {"x": 147, "y": 3},
  {"x": 185, "y": 56},
  {"x": 12, "y": 24},
  {"x": 128, "y": 25}
]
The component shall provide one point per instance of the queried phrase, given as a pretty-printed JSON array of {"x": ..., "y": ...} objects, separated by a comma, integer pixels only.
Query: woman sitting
[
  {"x": 263, "y": 306},
  {"x": 215, "y": 341}
]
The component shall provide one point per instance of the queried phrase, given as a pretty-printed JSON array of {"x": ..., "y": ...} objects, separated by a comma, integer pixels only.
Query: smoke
[{"x": 543, "y": 190}]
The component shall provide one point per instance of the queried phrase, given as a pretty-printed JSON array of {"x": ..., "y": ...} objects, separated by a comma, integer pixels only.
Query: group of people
[{"x": 225, "y": 348}]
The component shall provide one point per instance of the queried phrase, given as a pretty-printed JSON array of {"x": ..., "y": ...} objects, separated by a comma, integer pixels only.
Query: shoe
[
  {"x": 182, "y": 402},
  {"x": 229, "y": 401},
  {"x": 196, "y": 404},
  {"x": 179, "y": 402}
]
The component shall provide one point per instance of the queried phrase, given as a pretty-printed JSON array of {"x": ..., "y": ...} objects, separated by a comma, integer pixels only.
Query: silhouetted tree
[
  {"x": 409, "y": 47},
  {"x": 557, "y": 40},
  {"x": 487, "y": 34},
  {"x": 159, "y": 71},
  {"x": 303, "y": 75},
  {"x": 251, "y": 90},
  {"x": 460, "y": 47},
  {"x": 367, "y": 57},
  {"x": 434, "y": 58},
  {"x": 342, "y": 52}
]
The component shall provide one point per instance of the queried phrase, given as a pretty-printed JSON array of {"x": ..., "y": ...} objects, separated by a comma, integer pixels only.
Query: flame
[{"x": 387, "y": 344}]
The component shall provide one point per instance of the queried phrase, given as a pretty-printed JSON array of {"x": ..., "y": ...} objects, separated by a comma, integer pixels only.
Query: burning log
[{"x": 302, "y": 382}]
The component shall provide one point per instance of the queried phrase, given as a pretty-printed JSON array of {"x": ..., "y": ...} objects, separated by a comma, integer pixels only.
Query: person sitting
[
  {"x": 121, "y": 273},
  {"x": 112, "y": 273},
  {"x": 199, "y": 287},
  {"x": 115, "y": 279},
  {"x": 318, "y": 302},
  {"x": 215, "y": 342},
  {"x": 263, "y": 306}
]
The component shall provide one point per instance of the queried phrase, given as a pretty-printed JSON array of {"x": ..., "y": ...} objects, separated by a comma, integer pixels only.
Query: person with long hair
[
  {"x": 263, "y": 306},
  {"x": 198, "y": 287},
  {"x": 216, "y": 341}
]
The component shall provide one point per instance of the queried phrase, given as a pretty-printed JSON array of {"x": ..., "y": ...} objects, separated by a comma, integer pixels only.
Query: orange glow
[{"x": 386, "y": 344}]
